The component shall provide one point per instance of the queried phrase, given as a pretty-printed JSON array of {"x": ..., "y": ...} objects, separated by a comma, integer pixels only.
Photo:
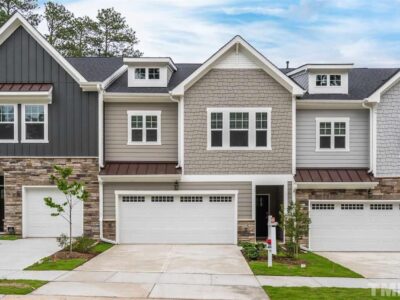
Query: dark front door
[
  {"x": 1, "y": 203},
  {"x": 262, "y": 212}
]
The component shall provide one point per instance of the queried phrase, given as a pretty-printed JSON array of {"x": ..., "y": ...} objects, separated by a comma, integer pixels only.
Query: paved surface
[
  {"x": 368, "y": 264},
  {"x": 19, "y": 254},
  {"x": 160, "y": 271}
]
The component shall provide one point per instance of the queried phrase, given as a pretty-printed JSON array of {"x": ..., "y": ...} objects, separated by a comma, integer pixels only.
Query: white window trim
[
  {"x": 332, "y": 121},
  {"x": 328, "y": 80},
  {"x": 144, "y": 114},
  {"x": 226, "y": 128},
  {"x": 46, "y": 125},
  {"x": 15, "y": 139},
  {"x": 148, "y": 73}
]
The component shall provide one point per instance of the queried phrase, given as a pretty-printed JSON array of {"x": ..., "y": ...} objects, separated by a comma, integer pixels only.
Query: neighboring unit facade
[{"x": 200, "y": 153}]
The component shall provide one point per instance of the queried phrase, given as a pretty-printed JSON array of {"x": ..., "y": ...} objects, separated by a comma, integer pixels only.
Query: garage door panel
[
  {"x": 38, "y": 221},
  {"x": 177, "y": 222},
  {"x": 359, "y": 229}
]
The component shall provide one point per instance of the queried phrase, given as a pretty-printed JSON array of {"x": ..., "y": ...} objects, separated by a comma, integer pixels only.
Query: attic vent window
[
  {"x": 154, "y": 73},
  {"x": 140, "y": 73}
]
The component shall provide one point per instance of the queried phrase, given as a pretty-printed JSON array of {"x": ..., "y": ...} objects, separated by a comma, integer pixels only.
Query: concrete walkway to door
[{"x": 161, "y": 271}]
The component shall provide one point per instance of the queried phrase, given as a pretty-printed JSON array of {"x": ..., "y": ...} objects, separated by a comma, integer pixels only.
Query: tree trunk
[{"x": 70, "y": 227}]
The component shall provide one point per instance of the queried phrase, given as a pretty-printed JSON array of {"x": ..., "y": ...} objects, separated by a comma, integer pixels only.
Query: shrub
[
  {"x": 254, "y": 251},
  {"x": 63, "y": 241},
  {"x": 83, "y": 244}
]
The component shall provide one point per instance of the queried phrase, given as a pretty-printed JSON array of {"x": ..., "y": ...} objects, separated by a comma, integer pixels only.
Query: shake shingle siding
[
  {"x": 73, "y": 118},
  {"x": 388, "y": 134},
  {"x": 237, "y": 88}
]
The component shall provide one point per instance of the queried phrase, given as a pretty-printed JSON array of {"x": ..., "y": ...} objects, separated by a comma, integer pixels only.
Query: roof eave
[{"x": 335, "y": 185}]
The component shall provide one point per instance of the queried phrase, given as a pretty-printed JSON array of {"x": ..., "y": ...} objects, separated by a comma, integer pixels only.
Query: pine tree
[{"x": 25, "y": 7}]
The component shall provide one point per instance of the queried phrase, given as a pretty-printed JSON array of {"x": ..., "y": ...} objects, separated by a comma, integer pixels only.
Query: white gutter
[
  {"x": 101, "y": 125},
  {"x": 101, "y": 215},
  {"x": 335, "y": 185},
  {"x": 371, "y": 136},
  {"x": 180, "y": 129}
]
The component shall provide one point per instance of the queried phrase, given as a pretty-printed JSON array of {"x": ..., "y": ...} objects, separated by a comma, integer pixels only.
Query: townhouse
[{"x": 199, "y": 153}]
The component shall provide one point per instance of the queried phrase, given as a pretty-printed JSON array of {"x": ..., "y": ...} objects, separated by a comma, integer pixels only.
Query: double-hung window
[
  {"x": 332, "y": 134},
  {"x": 34, "y": 123},
  {"x": 239, "y": 128},
  {"x": 144, "y": 127},
  {"x": 8, "y": 123}
]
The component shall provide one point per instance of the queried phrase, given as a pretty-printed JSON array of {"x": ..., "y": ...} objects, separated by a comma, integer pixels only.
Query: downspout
[
  {"x": 371, "y": 135},
  {"x": 100, "y": 90},
  {"x": 180, "y": 163},
  {"x": 101, "y": 214}
]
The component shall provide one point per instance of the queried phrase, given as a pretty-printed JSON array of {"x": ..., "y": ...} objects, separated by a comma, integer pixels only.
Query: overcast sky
[{"x": 366, "y": 32}]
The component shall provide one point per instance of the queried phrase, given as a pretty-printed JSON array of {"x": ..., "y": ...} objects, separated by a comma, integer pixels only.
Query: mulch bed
[{"x": 62, "y": 254}]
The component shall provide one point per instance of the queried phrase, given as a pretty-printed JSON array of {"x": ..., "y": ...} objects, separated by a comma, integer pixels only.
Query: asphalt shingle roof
[{"x": 96, "y": 68}]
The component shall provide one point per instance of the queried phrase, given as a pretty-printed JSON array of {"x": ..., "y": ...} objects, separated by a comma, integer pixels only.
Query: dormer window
[
  {"x": 335, "y": 80},
  {"x": 322, "y": 80},
  {"x": 154, "y": 73},
  {"x": 140, "y": 73}
]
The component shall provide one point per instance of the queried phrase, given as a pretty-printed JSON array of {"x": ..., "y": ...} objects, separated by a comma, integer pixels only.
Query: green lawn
[
  {"x": 58, "y": 265},
  {"x": 324, "y": 293},
  {"x": 100, "y": 247},
  {"x": 19, "y": 287},
  {"x": 48, "y": 263},
  {"x": 8, "y": 237},
  {"x": 316, "y": 266}
]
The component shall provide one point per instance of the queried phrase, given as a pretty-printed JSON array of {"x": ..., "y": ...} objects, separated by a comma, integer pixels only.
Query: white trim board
[{"x": 335, "y": 185}]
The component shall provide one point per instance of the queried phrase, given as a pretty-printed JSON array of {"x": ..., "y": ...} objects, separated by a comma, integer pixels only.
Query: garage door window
[
  {"x": 162, "y": 198},
  {"x": 323, "y": 206},
  {"x": 191, "y": 199},
  {"x": 133, "y": 198},
  {"x": 381, "y": 206},
  {"x": 352, "y": 206},
  {"x": 220, "y": 198}
]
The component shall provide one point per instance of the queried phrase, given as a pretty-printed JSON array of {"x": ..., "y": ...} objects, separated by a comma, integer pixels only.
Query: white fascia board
[
  {"x": 114, "y": 76},
  {"x": 44, "y": 97},
  {"x": 273, "y": 179},
  {"x": 162, "y": 60},
  {"x": 354, "y": 200},
  {"x": 343, "y": 66},
  {"x": 18, "y": 20},
  {"x": 137, "y": 97},
  {"x": 335, "y": 185},
  {"x": 139, "y": 178},
  {"x": 375, "y": 97},
  {"x": 268, "y": 67}
]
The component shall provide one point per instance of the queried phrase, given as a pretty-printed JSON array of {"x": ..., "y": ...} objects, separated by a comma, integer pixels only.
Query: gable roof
[
  {"x": 96, "y": 68},
  {"x": 183, "y": 71},
  {"x": 268, "y": 67},
  {"x": 362, "y": 83},
  {"x": 18, "y": 20}
]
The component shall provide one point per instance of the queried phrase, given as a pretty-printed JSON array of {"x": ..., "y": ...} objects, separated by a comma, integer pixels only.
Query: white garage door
[
  {"x": 167, "y": 218},
  {"x": 355, "y": 226},
  {"x": 38, "y": 221}
]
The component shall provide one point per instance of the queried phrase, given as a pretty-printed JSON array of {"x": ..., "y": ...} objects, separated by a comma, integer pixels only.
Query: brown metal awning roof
[
  {"x": 333, "y": 175},
  {"x": 140, "y": 168},
  {"x": 25, "y": 87}
]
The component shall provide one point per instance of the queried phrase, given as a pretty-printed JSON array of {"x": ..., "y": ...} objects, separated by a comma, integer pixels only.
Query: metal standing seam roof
[
  {"x": 25, "y": 87},
  {"x": 333, "y": 175},
  {"x": 140, "y": 168}
]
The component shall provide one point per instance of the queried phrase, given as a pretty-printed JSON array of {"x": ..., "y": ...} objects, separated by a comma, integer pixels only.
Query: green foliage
[
  {"x": 19, "y": 287},
  {"x": 100, "y": 247},
  {"x": 73, "y": 191},
  {"x": 9, "y": 237},
  {"x": 295, "y": 223},
  {"x": 83, "y": 244},
  {"x": 254, "y": 251},
  {"x": 63, "y": 241},
  {"x": 26, "y": 7}
]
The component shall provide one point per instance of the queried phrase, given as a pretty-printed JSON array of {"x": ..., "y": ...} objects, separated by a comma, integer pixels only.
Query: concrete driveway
[
  {"x": 161, "y": 271},
  {"x": 19, "y": 254},
  {"x": 368, "y": 264}
]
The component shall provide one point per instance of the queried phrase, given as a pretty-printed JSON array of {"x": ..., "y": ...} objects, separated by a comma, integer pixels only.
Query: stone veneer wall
[
  {"x": 388, "y": 189},
  {"x": 109, "y": 230},
  {"x": 246, "y": 231},
  {"x": 35, "y": 171}
]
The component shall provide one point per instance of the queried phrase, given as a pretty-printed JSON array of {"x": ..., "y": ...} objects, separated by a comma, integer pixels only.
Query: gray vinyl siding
[
  {"x": 357, "y": 157},
  {"x": 244, "y": 188},
  {"x": 388, "y": 134},
  {"x": 73, "y": 117},
  {"x": 116, "y": 133}
]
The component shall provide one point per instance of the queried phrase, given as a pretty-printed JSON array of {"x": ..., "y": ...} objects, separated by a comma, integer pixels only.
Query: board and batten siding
[
  {"x": 116, "y": 133},
  {"x": 357, "y": 157},
  {"x": 244, "y": 188},
  {"x": 73, "y": 117}
]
